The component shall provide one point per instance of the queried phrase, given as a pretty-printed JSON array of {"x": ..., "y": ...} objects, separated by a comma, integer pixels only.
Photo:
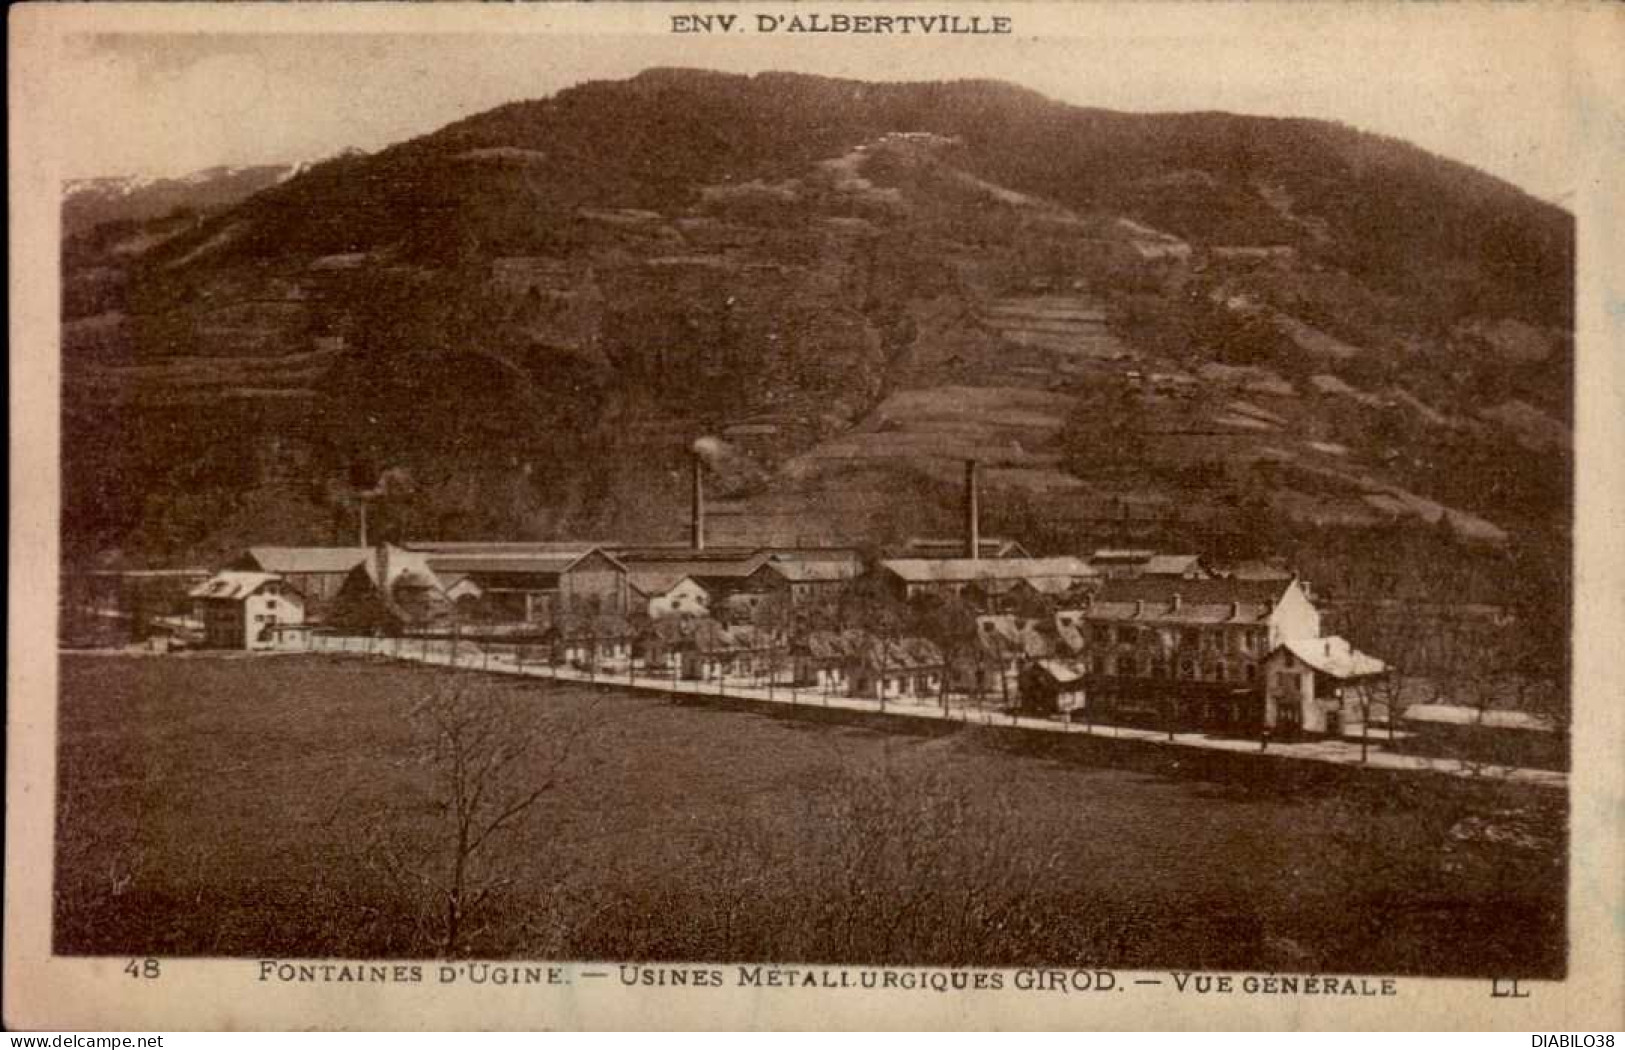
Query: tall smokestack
[
  {"x": 973, "y": 526},
  {"x": 697, "y": 510}
]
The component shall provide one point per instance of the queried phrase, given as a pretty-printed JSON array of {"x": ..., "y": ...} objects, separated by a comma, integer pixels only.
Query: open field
[{"x": 285, "y": 806}]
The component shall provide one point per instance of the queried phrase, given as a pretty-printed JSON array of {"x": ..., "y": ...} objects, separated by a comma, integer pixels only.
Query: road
[{"x": 957, "y": 708}]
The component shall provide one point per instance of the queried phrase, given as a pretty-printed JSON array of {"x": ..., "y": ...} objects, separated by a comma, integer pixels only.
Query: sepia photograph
[{"x": 994, "y": 500}]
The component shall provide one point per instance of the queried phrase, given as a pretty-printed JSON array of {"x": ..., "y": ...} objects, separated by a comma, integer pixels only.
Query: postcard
[{"x": 815, "y": 516}]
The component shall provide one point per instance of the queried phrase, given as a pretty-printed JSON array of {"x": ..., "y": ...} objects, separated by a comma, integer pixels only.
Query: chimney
[
  {"x": 1235, "y": 610},
  {"x": 973, "y": 528},
  {"x": 697, "y": 509},
  {"x": 1139, "y": 607}
]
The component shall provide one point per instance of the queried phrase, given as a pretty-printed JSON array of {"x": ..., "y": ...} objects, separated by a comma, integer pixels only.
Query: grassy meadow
[{"x": 296, "y": 806}]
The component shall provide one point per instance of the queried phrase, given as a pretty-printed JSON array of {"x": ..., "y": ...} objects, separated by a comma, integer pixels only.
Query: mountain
[
  {"x": 88, "y": 203},
  {"x": 1211, "y": 329}
]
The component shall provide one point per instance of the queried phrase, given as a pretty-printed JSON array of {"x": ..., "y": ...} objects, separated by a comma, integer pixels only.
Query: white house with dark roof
[
  {"x": 1311, "y": 683},
  {"x": 241, "y": 610},
  {"x": 317, "y": 573}
]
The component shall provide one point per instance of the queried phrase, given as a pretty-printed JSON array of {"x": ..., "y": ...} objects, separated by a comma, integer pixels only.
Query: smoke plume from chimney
[{"x": 697, "y": 506}]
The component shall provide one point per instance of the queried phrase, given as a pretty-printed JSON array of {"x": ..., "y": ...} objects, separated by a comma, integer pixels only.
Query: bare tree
[
  {"x": 1400, "y": 642},
  {"x": 490, "y": 762},
  {"x": 949, "y": 622}
]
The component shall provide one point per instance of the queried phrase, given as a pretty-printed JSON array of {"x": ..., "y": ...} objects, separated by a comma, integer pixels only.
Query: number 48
[{"x": 142, "y": 968}]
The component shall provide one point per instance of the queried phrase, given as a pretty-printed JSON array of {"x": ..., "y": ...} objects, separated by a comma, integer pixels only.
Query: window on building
[{"x": 1190, "y": 638}]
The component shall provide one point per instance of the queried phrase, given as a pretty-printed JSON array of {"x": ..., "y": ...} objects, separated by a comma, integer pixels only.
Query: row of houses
[
  {"x": 420, "y": 586},
  {"x": 1219, "y": 652}
]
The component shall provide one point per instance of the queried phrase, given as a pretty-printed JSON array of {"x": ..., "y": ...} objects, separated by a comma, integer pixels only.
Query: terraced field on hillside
[{"x": 1072, "y": 326}]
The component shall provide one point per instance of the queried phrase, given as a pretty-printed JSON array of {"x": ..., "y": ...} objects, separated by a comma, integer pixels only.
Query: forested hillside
[{"x": 1234, "y": 333}]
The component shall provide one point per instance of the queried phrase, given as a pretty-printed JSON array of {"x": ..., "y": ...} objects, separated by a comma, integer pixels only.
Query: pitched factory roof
[
  {"x": 655, "y": 553},
  {"x": 797, "y": 571},
  {"x": 308, "y": 559},
  {"x": 1119, "y": 555},
  {"x": 966, "y": 570},
  {"x": 487, "y": 565},
  {"x": 1258, "y": 570},
  {"x": 699, "y": 568},
  {"x": 528, "y": 564},
  {"x": 1047, "y": 584},
  {"x": 535, "y": 548},
  {"x": 1171, "y": 564},
  {"x": 988, "y": 546}
]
